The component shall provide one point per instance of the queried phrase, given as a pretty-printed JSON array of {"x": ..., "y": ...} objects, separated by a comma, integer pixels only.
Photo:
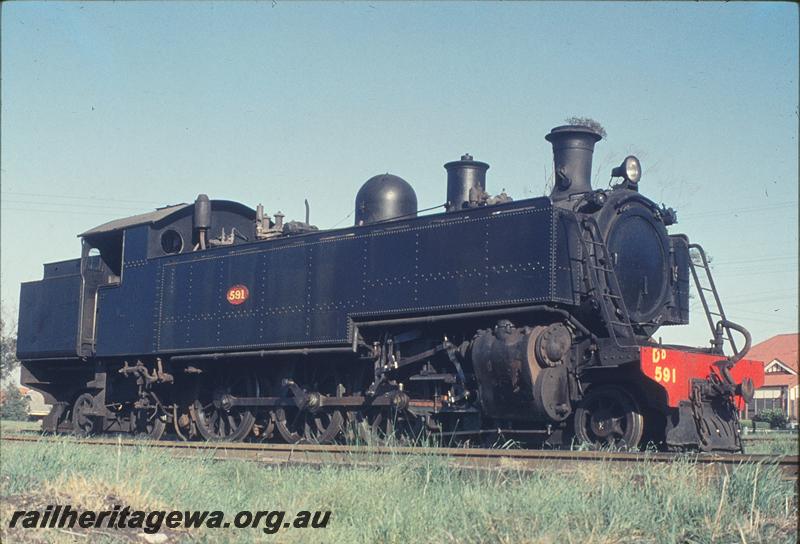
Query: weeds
[{"x": 412, "y": 498}]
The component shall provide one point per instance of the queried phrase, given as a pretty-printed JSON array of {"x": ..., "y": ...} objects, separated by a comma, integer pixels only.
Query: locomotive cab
[{"x": 64, "y": 310}]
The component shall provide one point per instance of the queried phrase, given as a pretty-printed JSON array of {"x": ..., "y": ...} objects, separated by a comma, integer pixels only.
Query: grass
[
  {"x": 775, "y": 443},
  {"x": 416, "y": 499},
  {"x": 8, "y": 426}
]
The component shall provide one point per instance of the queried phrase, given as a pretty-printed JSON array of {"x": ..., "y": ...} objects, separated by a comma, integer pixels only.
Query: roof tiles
[{"x": 783, "y": 347}]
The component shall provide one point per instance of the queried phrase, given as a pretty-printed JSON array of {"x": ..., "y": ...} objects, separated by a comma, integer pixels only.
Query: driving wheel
[
  {"x": 217, "y": 419},
  {"x": 308, "y": 425}
]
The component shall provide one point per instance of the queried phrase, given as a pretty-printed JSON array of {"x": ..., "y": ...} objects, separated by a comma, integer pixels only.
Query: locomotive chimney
[
  {"x": 462, "y": 176},
  {"x": 573, "y": 146}
]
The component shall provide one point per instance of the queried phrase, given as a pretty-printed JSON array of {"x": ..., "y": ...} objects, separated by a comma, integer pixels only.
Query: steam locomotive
[{"x": 530, "y": 318}]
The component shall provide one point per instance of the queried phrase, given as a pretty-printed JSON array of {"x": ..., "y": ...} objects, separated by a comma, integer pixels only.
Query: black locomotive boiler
[{"x": 533, "y": 318}]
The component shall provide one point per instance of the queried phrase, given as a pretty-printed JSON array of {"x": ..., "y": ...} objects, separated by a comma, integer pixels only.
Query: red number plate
[{"x": 238, "y": 294}]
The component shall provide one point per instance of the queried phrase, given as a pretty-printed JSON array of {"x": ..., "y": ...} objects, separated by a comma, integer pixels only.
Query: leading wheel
[
  {"x": 216, "y": 418},
  {"x": 609, "y": 416}
]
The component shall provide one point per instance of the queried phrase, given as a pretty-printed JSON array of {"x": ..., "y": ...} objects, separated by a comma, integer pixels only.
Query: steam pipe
[{"x": 202, "y": 218}]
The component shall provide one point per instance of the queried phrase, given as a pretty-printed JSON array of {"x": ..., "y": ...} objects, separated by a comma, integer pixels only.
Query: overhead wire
[
  {"x": 78, "y": 197},
  {"x": 67, "y": 212},
  {"x": 35, "y": 205},
  {"x": 733, "y": 211}
]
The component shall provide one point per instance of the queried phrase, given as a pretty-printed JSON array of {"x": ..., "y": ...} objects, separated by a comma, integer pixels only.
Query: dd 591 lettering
[{"x": 665, "y": 374}]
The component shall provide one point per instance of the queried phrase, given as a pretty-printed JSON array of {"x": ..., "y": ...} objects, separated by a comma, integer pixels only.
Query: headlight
[{"x": 630, "y": 169}]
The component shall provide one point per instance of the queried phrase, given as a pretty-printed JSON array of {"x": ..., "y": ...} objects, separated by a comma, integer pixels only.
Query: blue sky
[{"x": 111, "y": 109}]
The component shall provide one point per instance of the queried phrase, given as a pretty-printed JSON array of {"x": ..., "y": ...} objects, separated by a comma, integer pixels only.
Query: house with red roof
[{"x": 780, "y": 390}]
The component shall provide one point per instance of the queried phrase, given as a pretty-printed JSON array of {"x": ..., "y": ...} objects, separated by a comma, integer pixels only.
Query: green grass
[
  {"x": 8, "y": 426},
  {"x": 416, "y": 499},
  {"x": 773, "y": 443}
]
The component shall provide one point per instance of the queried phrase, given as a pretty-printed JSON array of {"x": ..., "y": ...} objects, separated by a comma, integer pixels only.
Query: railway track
[{"x": 465, "y": 458}]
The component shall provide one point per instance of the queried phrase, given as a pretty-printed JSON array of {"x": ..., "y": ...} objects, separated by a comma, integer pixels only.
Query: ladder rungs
[{"x": 613, "y": 304}]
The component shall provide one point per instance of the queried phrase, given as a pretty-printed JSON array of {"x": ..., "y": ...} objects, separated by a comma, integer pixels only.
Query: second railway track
[{"x": 464, "y": 458}]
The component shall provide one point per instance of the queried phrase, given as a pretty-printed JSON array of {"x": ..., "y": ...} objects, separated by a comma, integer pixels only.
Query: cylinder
[
  {"x": 202, "y": 213},
  {"x": 573, "y": 146},
  {"x": 462, "y": 176},
  {"x": 521, "y": 371}
]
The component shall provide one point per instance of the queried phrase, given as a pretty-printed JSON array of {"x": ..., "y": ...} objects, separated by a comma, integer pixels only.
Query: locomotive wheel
[
  {"x": 302, "y": 426},
  {"x": 149, "y": 424},
  {"x": 381, "y": 426},
  {"x": 609, "y": 416},
  {"x": 311, "y": 427},
  {"x": 264, "y": 428},
  {"x": 373, "y": 426},
  {"x": 83, "y": 424},
  {"x": 216, "y": 419}
]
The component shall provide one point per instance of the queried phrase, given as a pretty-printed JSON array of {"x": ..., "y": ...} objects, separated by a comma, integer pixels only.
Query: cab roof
[
  {"x": 134, "y": 220},
  {"x": 160, "y": 214}
]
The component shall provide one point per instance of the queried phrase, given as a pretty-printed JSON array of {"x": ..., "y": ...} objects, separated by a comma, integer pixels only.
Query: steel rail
[{"x": 467, "y": 458}]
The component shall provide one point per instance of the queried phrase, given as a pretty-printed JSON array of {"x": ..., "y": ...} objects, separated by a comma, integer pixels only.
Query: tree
[
  {"x": 8, "y": 353},
  {"x": 13, "y": 404}
]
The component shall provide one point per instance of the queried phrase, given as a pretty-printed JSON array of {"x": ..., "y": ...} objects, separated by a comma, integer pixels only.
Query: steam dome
[{"x": 385, "y": 197}]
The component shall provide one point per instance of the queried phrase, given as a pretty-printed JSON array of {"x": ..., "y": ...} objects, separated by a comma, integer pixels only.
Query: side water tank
[{"x": 385, "y": 197}]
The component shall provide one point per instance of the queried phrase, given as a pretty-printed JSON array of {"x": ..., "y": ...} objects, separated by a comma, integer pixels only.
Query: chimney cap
[
  {"x": 577, "y": 130},
  {"x": 466, "y": 160}
]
